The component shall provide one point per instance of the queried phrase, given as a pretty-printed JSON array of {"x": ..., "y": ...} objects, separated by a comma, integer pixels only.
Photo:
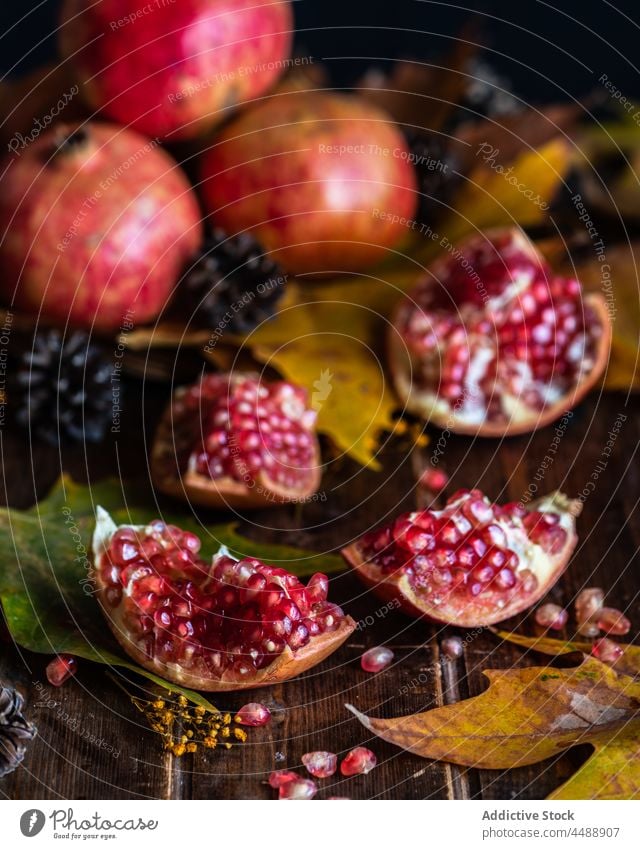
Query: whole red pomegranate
[
  {"x": 473, "y": 563},
  {"x": 175, "y": 67},
  {"x": 323, "y": 180},
  {"x": 222, "y": 625},
  {"x": 96, "y": 224},
  {"x": 234, "y": 440},
  {"x": 493, "y": 342}
]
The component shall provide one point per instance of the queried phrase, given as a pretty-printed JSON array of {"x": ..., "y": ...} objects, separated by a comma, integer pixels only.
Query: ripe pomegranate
[
  {"x": 235, "y": 440},
  {"x": 473, "y": 563},
  {"x": 493, "y": 343},
  {"x": 175, "y": 67},
  {"x": 96, "y": 224},
  {"x": 225, "y": 625},
  {"x": 323, "y": 180}
]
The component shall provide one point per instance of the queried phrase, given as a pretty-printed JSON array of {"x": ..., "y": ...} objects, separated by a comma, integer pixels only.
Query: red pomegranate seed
[
  {"x": 433, "y": 480},
  {"x": 359, "y": 761},
  {"x": 552, "y": 616},
  {"x": 613, "y": 621},
  {"x": 606, "y": 650},
  {"x": 376, "y": 659},
  {"x": 61, "y": 669},
  {"x": 301, "y": 788},
  {"x": 452, "y": 648},
  {"x": 254, "y": 714},
  {"x": 588, "y": 603},
  {"x": 320, "y": 764},
  {"x": 282, "y": 776}
]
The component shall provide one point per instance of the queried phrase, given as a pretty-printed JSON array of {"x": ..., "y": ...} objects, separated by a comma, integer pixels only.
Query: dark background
[{"x": 548, "y": 50}]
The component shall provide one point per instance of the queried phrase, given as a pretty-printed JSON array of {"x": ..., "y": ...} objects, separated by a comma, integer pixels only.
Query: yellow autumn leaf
[
  {"x": 528, "y": 715},
  {"x": 517, "y": 192}
]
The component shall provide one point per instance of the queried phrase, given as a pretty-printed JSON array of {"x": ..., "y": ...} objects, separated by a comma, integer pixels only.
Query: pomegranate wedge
[
  {"x": 473, "y": 563},
  {"x": 225, "y": 625},
  {"x": 492, "y": 342},
  {"x": 238, "y": 441}
]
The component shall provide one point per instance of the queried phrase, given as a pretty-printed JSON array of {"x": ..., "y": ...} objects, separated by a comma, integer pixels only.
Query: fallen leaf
[
  {"x": 339, "y": 328},
  {"x": 46, "y": 583},
  {"x": 528, "y": 715},
  {"x": 628, "y": 664},
  {"x": 500, "y": 192}
]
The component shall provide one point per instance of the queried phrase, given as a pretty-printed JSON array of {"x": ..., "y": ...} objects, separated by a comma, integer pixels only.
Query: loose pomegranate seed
[
  {"x": 452, "y": 648},
  {"x": 552, "y": 616},
  {"x": 433, "y": 480},
  {"x": 301, "y": 788},
  {"x": 359, "y": 761},
  {"x": 282, "y": 776},
  {"x": 320, "y": 764},
  {"x": 606, "y": 650},
  {"x": 613, "y": 621},
  {"x": 588, "y": 604},
  {"x": 376, "y": 659},
  {"x": 61, "y": 669},
  {"x": 338, "y": 799},
  {"x": 254, "y": 714}
]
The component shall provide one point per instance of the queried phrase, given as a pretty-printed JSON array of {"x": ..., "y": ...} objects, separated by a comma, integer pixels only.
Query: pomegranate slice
[
  {"x": 238, "y": 441},
  {"x": 473, "y": 563},
  {"x": 493, "y": 343},
  {"x": 225, "y": 625}
]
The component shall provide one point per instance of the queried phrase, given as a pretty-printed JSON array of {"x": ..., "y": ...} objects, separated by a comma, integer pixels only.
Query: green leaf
[{"x": 46, "y": 585}]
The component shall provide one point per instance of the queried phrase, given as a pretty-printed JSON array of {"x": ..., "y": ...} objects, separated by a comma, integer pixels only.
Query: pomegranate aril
[
  {"x": 376, "y": 659},
  {"x": 282, "y": 776},
  {"x": 613, "y": 621},
  {"x": 254, "y": 714},
  {"x": 606, "y": 650},
  {"x": 588, "y": 604},
  {"x": 452, "y": 648},
  {"x": 433, "y": 480},
  {"x": 551, "y": 616},
  {"x": 359, "y": 761},
  {"x": 300, "y": 788},
  {"x": 60, "y": 669},
  {"x": 299, "y": 637},
  {"x": 320, "y": 764}
]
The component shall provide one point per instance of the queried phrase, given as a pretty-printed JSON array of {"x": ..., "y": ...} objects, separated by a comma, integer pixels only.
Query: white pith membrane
[
  {"x": 492, "y": 336},
  {"x": 300, "y": 630},
  {"x": 420, "y": 556}
]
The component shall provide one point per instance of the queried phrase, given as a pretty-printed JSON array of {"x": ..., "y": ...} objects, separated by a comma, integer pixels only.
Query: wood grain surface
[{"x": 309, "y": 712}]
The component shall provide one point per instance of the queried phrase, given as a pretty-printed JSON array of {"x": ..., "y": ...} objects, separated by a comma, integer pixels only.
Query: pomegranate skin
[
  {"x": 96, "y": 234},
  {"x": 177, "y": 69},
  {"x": 323, "y": 180}
]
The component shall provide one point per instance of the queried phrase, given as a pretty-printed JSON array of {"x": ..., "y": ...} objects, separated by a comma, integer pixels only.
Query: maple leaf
[{"x": 528, "y": 715}]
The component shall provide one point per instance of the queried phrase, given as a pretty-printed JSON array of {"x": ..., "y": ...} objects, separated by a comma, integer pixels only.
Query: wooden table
[{"x": 309, "y": 712}]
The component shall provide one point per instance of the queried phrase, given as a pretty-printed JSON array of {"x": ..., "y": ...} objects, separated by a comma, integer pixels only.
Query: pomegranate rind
[
  {"x": 522, "y": 418},
  {"x": 395, "y": 587},
  {"x": 287, "y": 665},
  {"x": 224, "y": 492}
]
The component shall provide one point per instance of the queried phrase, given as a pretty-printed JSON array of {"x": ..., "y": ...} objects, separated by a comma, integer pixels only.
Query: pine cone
[
  {"x": 15, "y": 731},
  {"x": 231, "y": 287},
  {"x": 61, "y": 388}
]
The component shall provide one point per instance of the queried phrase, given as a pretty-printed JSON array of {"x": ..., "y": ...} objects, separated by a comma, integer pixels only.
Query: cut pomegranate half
[
  {"x": 238, "y": 441},
  {"x": 493, "y": 343},
  {"x": 225, "y": 625},
  {"x": 473, "y": 563}
]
